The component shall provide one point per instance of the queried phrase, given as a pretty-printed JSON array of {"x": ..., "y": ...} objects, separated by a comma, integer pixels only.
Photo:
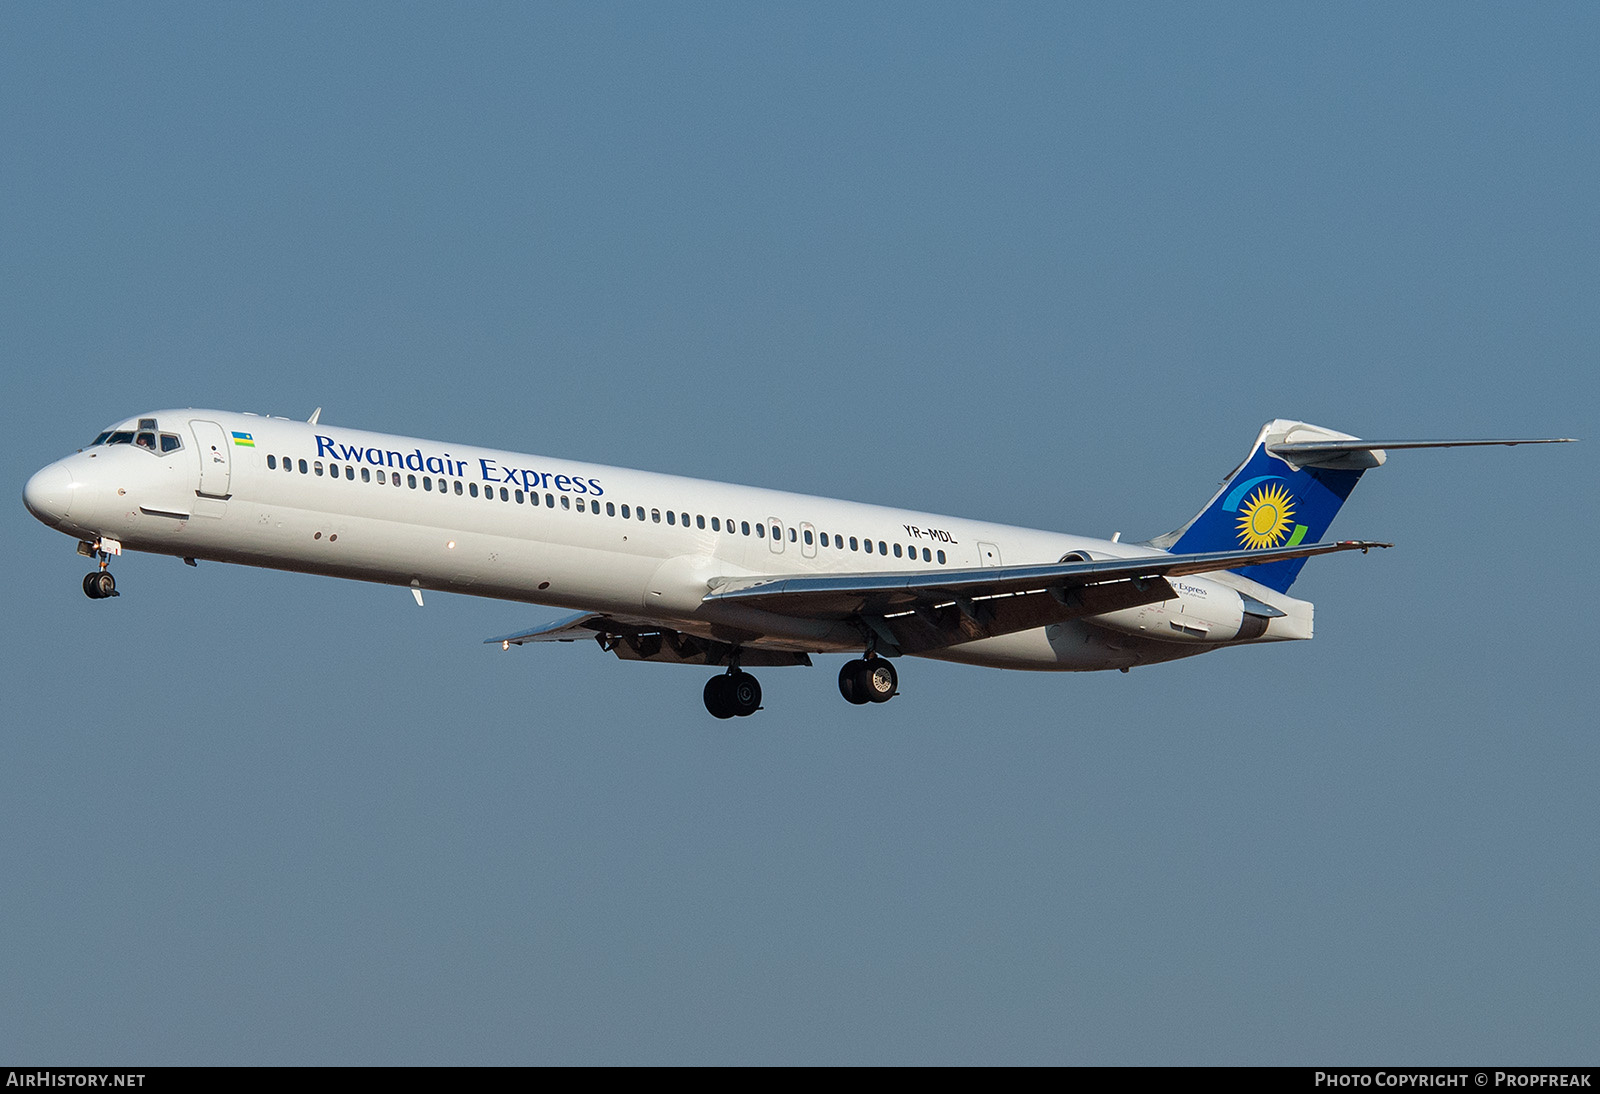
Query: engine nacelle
[{"x": 1203, "y": 611}]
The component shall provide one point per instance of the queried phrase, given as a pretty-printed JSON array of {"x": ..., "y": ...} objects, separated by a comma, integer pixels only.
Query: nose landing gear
[{"x": 99, "y": 584}]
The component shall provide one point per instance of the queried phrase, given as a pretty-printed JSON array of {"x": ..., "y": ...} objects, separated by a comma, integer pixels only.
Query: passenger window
[
  {"x": 472, "y": 488},
  {"x": 761, "y": 531},
  {"x": 852, "y": 543},
  {"x": 639, "y": 512},
  {"x": 549, "y": 501},
  {"x": 518, "y": 494},
  {"x": 808, "y": 537},
  {"x": 411, "y": 481},
  {"x": 272, "y": 463},
  {"x": 716, "y": 525},
  {"x": 580, "y": 504},
  {"x": 792, "y": 535},
  {"x": 170, "y": 443},
  {"x": 655, "y": 516},
  {"x": 366, "y": 475},
  {"x": 883, "y": 548},
  {"x": 941, "y": 558},
  {"x": 672, "y": 518},
  {"x": 927, "y": 555},
  {"x": 381, "y": 479},
  {"x": 896, "y": 550},
  {"x": 350, "y": 473},
  {"x": 699, "y": 521},
  {"x": 686, "y": 520},
  {"x": 533, "y": 499},
  {"x": 566, "y": 502},
  {"x": 744, "y": 527},
  {"x": 302, "y": 467},
  {"x": 627, "y": 513},
  {"x": 318, "y": 467},
  {"x": 868, "y": 546},
  {"x": 427, "y": 483},
  {"x": 611, "y": 509}
]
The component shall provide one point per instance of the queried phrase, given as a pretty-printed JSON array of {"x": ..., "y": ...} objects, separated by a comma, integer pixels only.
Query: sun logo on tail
[{"x": 1264, "y": 518}]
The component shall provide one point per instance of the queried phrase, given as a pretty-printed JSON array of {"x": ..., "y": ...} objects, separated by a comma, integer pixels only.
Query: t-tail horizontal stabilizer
[{"x": 1364, "y": 454}]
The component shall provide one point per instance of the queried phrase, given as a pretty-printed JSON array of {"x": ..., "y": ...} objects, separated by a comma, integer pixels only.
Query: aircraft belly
[{"x": 1075, "y": 646}]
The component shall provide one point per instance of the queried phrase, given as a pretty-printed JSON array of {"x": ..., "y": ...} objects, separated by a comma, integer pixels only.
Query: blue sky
[{"x": 1044, "y": 264}]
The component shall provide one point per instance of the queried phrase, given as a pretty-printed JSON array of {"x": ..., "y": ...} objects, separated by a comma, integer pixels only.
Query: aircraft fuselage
[{"x": 636, "y": 545}]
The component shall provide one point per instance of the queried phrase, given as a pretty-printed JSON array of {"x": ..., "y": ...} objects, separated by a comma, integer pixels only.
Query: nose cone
[{"x": 48, "y": 494}]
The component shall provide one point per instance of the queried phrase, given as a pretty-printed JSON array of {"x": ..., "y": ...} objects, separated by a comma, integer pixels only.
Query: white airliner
[{"x": 662, "y": 568}]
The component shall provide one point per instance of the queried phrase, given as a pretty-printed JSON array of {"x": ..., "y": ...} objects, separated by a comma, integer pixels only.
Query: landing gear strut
[
  {"x": 868, "y": 681},
  {"x": 735, "y": 694}
]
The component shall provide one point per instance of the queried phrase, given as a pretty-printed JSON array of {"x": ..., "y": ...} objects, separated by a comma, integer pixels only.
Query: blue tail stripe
[{"x": 1236, "y": 495}]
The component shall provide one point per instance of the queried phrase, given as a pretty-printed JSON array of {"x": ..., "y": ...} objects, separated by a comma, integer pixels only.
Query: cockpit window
[{"x": 147, "y": 437}]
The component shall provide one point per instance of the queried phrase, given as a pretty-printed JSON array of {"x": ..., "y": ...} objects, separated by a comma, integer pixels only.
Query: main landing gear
[
  {"x": 734, "y": 694},
  {"x": 868, "y": 681}
]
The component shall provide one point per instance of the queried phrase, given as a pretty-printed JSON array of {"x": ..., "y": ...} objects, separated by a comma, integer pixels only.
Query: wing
[
  {"x": 918, "y": 611},
  {"x": 645, "y": 640},
  {"x": 568, "y": 628}
]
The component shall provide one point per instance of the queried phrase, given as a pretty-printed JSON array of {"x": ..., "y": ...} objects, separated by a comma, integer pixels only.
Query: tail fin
[
  {"x": 1288, "y": 491},
  {"x": 1270, "y": 501}
]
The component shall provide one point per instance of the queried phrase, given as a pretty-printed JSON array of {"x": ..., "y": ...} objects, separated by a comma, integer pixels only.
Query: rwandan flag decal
[{"x": 244, "y": 440}]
